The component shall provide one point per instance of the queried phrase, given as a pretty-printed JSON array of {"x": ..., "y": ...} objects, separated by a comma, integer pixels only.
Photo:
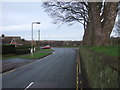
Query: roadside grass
[
  {"x": 37, "y": 55},
  {"x": 11, "y": 56},
  {"x": 108, "y": 50}
]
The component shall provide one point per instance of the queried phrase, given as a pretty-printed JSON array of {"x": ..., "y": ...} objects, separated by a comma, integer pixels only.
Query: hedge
[
  {"x": 11, "y": 49},
  {"x": 8, "y": 49},
  {"x": 23, "y": 47},
  {"x": 22, "y": 51},
  {"x": 102, "y": 71}
]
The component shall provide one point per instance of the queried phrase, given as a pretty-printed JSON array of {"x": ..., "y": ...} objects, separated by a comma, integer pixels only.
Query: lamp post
[
  {"x": 38, "y": 35},
  {"x": 32, "y": 37},
  {"x": 39, "y": 38}
]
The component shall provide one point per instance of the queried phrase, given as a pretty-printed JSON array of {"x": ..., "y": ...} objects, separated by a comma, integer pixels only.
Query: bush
[
  {"x": 22, "y": 51},
  {"x": 8, "y": 49},
  {"x": 23, "y": 47}
]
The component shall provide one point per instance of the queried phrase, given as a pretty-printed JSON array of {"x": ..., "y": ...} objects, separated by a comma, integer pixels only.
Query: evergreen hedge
[
  {"x": 8, "y": 49},
  {"x": 22, "y": 49}
]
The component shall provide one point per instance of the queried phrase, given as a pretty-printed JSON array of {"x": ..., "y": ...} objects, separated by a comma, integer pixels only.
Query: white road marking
[{"x": 29, "y": 86}]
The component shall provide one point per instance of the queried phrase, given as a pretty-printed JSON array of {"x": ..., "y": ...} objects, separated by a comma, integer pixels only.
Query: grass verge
[
  {"x": 47, "y": 49},
  {"x": 37, "y": 55},
  {"x": 107, "y": 50},
  {"x": 11, "y": 56}
]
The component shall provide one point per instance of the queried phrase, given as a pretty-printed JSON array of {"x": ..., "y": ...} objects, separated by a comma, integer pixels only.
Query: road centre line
[{"x": 29, "y": 86}]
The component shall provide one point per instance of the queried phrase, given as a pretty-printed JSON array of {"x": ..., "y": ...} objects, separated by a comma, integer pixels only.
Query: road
[{"x": 57, "y": 70}]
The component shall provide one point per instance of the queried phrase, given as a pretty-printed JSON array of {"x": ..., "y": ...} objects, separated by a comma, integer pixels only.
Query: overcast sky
[{"x": 17, "y": 18}]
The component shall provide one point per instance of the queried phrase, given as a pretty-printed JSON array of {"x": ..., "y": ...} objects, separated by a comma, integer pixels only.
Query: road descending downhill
[{"x": 57, "y": 70}]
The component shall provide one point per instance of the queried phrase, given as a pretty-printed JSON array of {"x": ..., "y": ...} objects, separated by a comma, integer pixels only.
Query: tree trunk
[
  {"x": 109, "y": 22},
  {"x": 103, "y": 29},
  {"x": 88, "y": 38}
]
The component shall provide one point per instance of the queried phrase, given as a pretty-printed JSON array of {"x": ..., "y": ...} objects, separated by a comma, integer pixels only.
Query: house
[{"x": 16, "y": 40}]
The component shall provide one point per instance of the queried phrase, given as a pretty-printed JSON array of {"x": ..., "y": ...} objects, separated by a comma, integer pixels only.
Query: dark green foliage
[
  {"x": 8, "y": 49},
  {"x": 23, "y": 47},
  {"x": 22, "y": 51}
]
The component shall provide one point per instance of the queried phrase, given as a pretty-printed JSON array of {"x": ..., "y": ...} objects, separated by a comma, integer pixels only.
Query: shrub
[
  {"x": 8, "y": 49},
  {"x": 23, "y": 47},
  {"x": 22, "y": 51}
]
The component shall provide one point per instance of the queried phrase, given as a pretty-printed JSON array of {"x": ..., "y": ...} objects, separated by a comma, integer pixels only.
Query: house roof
[{"x": 8, "y": 39}]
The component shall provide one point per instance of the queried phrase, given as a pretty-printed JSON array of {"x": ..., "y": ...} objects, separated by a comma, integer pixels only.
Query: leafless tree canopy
[
  {"x": 67, "y": 12},
  {"x": 98, "y": 18}
]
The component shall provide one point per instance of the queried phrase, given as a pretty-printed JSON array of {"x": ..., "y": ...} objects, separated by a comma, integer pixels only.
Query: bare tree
[
  {"x": 67, "y": 12},
  {"x": 97, "y": 17}
]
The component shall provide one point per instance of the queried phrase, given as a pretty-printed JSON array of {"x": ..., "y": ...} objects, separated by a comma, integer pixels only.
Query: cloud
[
  {"x": 14, "y": 28},
  {"x": 18, "y": 17},
  {"x": 43, "y": 26}
]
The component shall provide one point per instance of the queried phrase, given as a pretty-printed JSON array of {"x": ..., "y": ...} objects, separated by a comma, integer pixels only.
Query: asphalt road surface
[{"x": 57, "y": 70}]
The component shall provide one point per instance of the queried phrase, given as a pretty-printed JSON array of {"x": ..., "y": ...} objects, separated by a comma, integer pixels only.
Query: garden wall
[{"x": 102, "y": 70}]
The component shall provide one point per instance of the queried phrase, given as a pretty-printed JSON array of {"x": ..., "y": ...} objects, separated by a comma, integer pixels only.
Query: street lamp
[
  {"x": 32, "y": 36},
  {"x": 38, "y": 35},
  {"x": 39, "y": 38}
]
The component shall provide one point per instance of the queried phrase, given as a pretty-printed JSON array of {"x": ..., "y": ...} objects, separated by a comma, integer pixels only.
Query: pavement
[
  {"x": 14, "y": 63},
  {"x": 57, "y": 70},
  {"x": 10, "y": 64}
]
